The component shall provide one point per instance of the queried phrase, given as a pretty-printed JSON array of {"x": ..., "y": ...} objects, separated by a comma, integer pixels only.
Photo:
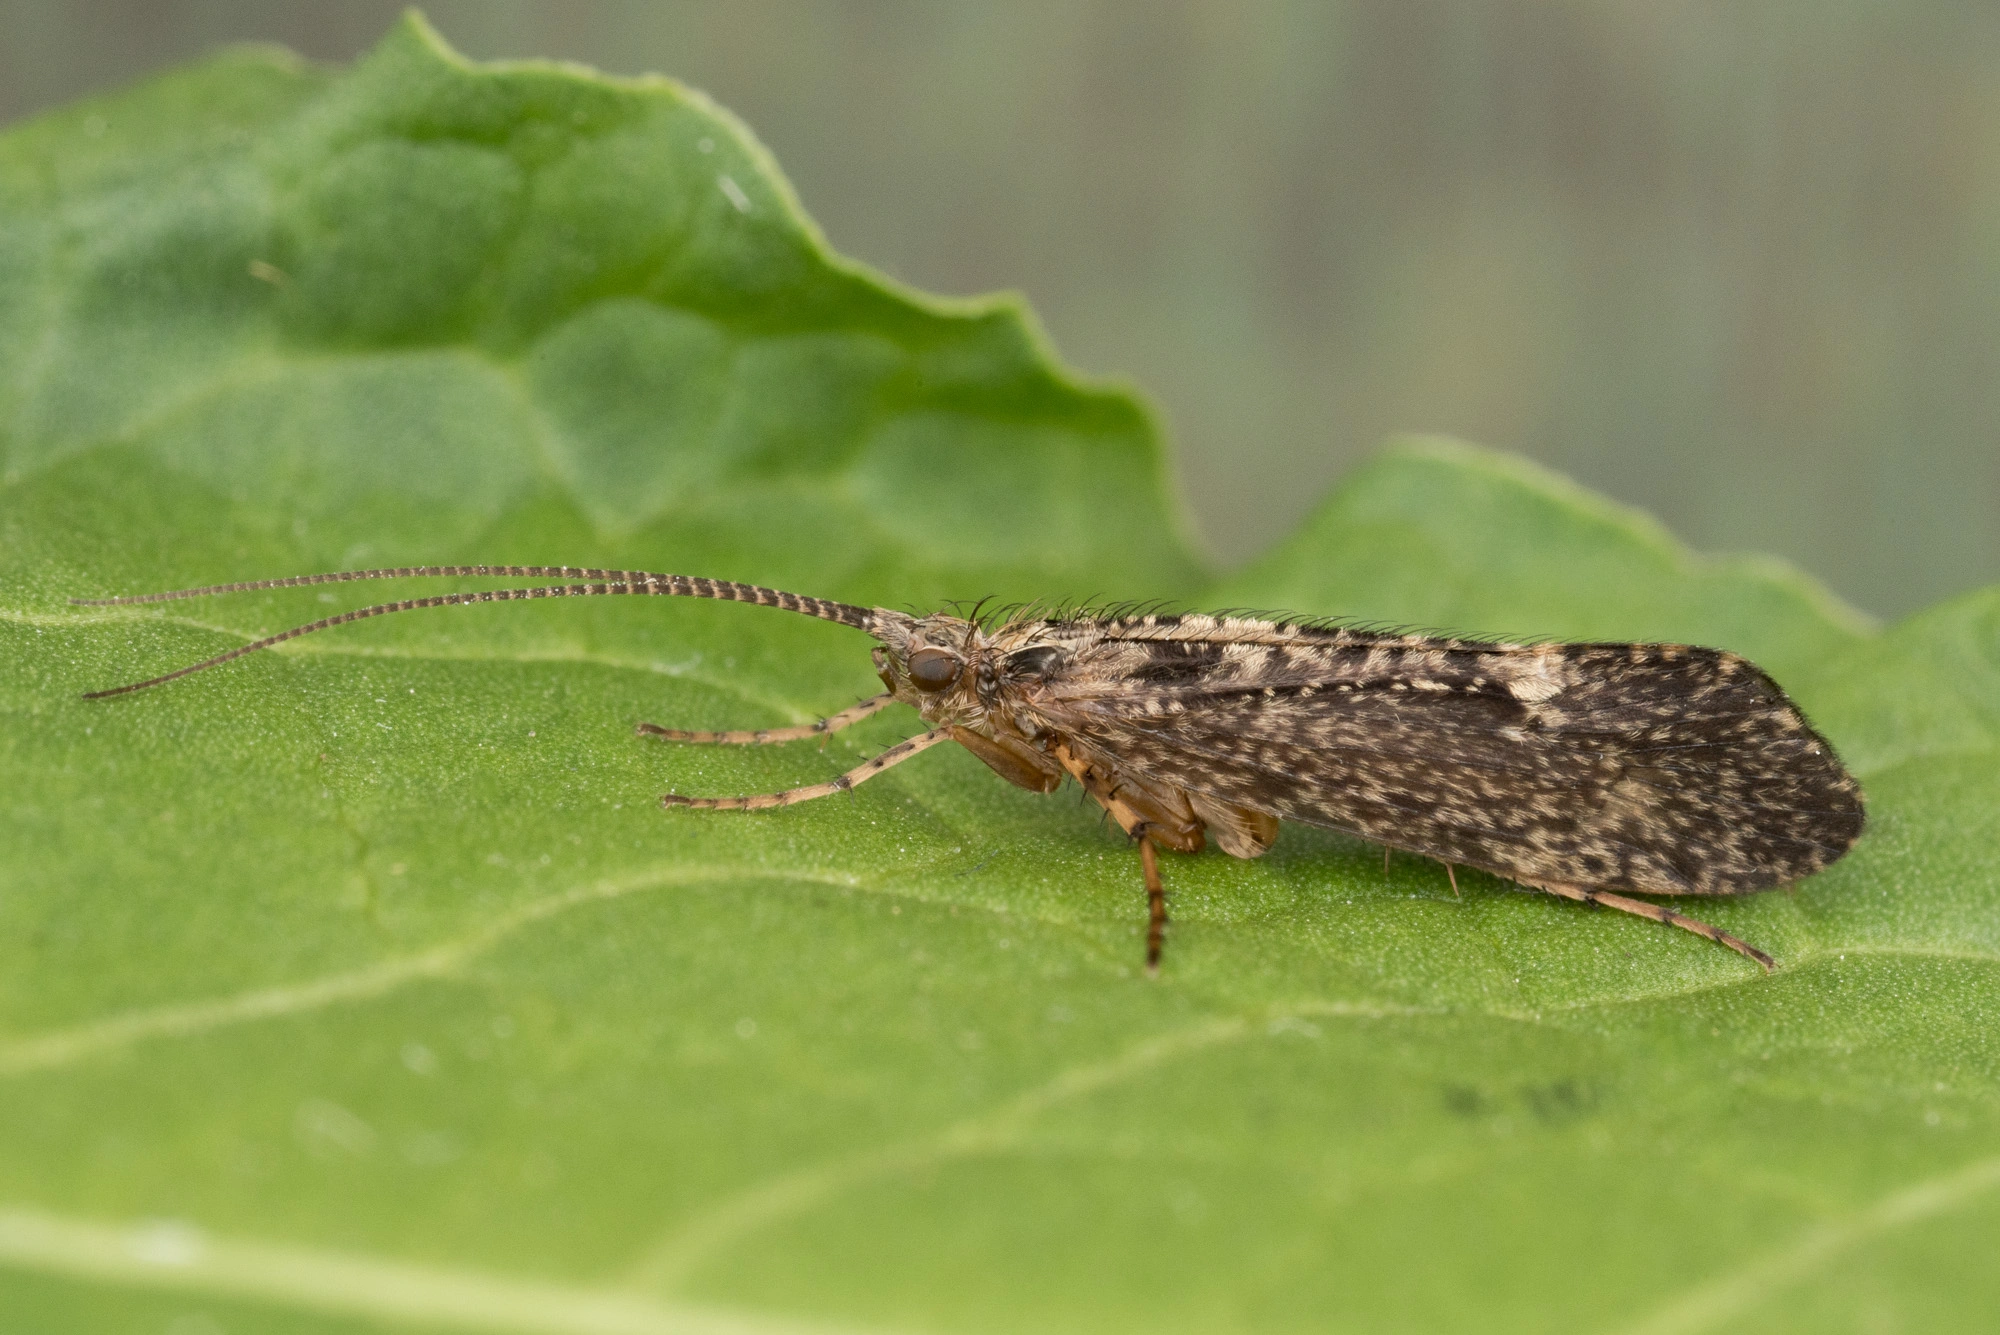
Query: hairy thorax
[{"x": 997, "y": 692}]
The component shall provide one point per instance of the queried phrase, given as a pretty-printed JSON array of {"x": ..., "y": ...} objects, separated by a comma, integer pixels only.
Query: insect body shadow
[{"x": 1592, "y": 771}]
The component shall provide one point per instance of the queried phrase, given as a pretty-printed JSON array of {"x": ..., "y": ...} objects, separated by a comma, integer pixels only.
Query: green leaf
[{"x": 363, "y": 985}]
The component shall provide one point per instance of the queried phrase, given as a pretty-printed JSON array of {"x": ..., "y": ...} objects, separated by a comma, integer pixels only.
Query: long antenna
[{"x": 606, "y": 582}]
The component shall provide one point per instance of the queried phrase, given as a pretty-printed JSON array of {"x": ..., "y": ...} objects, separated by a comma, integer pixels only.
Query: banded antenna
[{"x": 603, "y": 583}]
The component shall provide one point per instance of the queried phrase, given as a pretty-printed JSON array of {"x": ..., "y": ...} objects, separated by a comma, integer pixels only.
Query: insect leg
[
  {"x": 1138, "y": 809},
  {"x": 759, "y": 736},
  {"x": 1156, "y": 904},
  {"x": 1147, "y": 817},
  {"x": 895, "y": 755},
  {"x": 1663, "y": 915}
]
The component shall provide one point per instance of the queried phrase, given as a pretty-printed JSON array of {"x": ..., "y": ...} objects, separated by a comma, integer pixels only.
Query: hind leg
[{"x": 1656, "y": 913}]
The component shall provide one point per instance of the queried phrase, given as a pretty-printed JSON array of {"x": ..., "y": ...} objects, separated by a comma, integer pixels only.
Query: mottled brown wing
[{"x": 1660, "y": 769}]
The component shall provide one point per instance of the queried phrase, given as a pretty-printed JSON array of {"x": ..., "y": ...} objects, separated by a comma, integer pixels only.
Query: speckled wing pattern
[{"x": 1660, "y": 769}]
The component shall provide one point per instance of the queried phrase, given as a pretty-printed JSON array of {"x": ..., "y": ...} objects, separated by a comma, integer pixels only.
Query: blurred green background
[{"x": 1739, "y": 264}]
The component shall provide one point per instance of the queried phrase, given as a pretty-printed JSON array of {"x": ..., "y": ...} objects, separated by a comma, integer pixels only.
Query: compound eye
[{"x": 934, "y": 669}]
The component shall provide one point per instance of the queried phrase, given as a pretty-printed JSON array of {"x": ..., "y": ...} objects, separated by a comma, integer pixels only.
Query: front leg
[
  {"x": 1012, "y": 759},
  {"x": 860, "y": 774},
  {"x": 761, "y": 736}
]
